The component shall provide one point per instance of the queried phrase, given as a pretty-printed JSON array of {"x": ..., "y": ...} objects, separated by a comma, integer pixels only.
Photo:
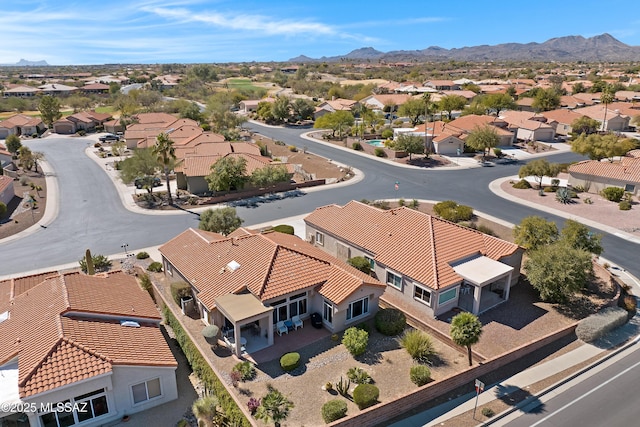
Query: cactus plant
[{"x": 90, "y": 269}]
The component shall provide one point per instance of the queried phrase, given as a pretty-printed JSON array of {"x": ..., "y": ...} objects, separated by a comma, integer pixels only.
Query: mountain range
[
  {"x": 564, "y": 49},
  {"x": 26, "y": 63}
]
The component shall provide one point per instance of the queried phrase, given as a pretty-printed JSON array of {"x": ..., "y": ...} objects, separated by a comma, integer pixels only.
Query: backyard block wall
[{"x": 381, "y": 413}]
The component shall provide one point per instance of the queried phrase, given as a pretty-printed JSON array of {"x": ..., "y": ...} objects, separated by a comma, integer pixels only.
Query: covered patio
[
  {"x": 485, "y": 285},
  {"x": 251, "y": 323}
]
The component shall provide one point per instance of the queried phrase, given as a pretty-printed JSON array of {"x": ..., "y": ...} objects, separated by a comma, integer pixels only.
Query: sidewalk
[{"x": 628, "y": 333}]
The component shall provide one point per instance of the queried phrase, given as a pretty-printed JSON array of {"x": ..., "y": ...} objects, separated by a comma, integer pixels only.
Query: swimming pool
[{"x": 376, "y": 142}]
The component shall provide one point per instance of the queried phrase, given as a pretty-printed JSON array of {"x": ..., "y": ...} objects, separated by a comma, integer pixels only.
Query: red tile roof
[
  {"x": 625, "y": 170},
  {"x": 271, "y": 265},
  {"x": 415, "y": 244},
  {"x": 67, "y": 328}
]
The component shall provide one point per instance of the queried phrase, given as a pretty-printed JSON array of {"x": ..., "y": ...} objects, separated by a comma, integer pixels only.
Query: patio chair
[
  {"x": 282, "y": 328},
  {"x": 297, "y": 322}
]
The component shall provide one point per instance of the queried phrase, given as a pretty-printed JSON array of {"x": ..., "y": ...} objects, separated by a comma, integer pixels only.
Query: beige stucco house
[
  {"x": 594, "y": 176},
  {"x": 250, "y": 284},
  {"x": 429, "y": 265}
]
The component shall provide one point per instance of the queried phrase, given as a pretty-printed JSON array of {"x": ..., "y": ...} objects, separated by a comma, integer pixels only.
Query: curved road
[{"x": 92, "y": 216}]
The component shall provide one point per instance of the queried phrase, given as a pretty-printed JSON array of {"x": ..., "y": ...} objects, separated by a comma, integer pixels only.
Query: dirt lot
[{"x": 19, "y": 216}]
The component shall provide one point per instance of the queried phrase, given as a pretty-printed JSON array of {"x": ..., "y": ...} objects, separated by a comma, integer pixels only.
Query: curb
[{"x": 560, "y": 383}]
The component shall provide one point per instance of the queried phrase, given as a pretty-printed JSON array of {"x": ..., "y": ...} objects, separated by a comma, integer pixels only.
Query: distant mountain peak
[{"x": 603, "y": 47}]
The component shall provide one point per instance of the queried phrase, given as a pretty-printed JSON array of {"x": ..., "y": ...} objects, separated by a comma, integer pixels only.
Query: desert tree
[{"x": 465, "y": 331}]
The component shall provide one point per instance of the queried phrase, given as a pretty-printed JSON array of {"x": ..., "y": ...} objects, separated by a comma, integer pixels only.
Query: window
[
  {"x": 146, "y": 390},
  {"x": 629, "y": 188},
  {"x": 358, "y": 308},
  {"x": 422, "y": 294},
  {"x": 447, "y": 296},
  {"x": 394, "y": 280},
  {"x": 85, "y": 407},
  {"x": 286, "y": 308},
  {"x": 319, "y": 238},
  {"x": 372, "y": 263},
  {"x": 327, "y": 311}
]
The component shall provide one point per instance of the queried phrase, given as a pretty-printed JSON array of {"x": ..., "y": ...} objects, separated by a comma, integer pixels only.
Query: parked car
[
  {"x": 141, "y": 181},
  {"x": 109, "y": 137}
]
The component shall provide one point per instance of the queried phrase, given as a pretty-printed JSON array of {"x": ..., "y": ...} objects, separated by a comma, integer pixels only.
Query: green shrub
[
  {"x": 359, "y": 375},
  {"x": 420, "y": 375},
  {"x": 100, "y": 263},
  {"x": 549, "y": 189},
  {"x": 203, "y": 371},
  {"x": 613, "y": 194},
  {"x": 292, "y": 148},
  {"x": 155, "y": 267},
  {"x": 563, "y": 195},
  {"x": 355, "y": 340},
  {"x": 401, "y": 202},
  {"x": 356, "y": 146},
  {"x": 364, "y": 326},
  {"x": 278, "y": 142},
  {"x": 246, "y": 370},
  {"x": 142, "y": 255},
  {"x": 390, "y": 321},
  {"x": 418, "y": 344},
  {"x": 523, "y": 184},
  {"x": 597, "y": 325},
  {"x": 180, "y": 290},
  {"x": 284, "y": 228},
  {"x": 290, "y": 361},
  {"x": 387, "y": 133},
  {"x": 381, "y": 204},
  {"x": 452, "y": 211},
  {"x": 334, "y": 410},
  {"x": 624, "y": 205},
  {"x": 379, "y": 152},
  {"x": 488, "y": 412},
  {"x": 365, "y": 395},
  {"x": 360, "y": 263},
  {"x": 629, "y": 303},
  {"x": 414, "y": 204},
  {"x": 145, "y": 283},
  {"x": 486, "y": 230},
  {"x": 3, "y": 209}
]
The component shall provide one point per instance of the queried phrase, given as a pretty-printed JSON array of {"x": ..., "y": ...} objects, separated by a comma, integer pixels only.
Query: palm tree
[
  {"x": 165, "y": 153},
  {"x": 206, "y": 411},
  {"x": 606, "y": 98},
  {"x": 465, "y": 331},
  {"x": 426, "y": 97},
  {"x": 274, "y": 407}
]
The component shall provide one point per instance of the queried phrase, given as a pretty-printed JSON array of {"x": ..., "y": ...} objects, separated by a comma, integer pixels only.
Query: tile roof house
[
  {"x": 333, "y": 106},
  {"x": 83, "y": 120},
  {"x": 250, "y": 281},
  {"x": 6, "y": 189},
  {"x": 20, "y": 91},
  {"x": 93, "y": 341},
  {"x": 612, "y": 120},
  {"x": 445, "y": 139},
  {"x": 426, "y": 262},
  {"x": 594, "y": 176},
  {"x": 528, "y": 126},
  {"x": 385, "y": 100},
  {"x": 195, "y": 166},
  {"x": 21, "y": 124},
  {"x": 561, "y": 120},
  {"x": 469, "y": 123}
]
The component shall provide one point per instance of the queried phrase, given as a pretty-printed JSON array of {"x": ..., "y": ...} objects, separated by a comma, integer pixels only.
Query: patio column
[
  {"x": 477, "y": 292},
  {"x": 236, "y": 335},
  {"x": 508, "y": 287},
  {"x": 270, "y": 330}
]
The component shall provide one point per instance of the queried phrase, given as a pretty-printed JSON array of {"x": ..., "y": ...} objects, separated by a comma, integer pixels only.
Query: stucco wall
[{"x": 595, "y": 185}]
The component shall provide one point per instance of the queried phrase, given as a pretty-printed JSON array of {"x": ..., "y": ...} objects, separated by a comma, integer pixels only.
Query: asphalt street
[
  {"x": 92, "y": 216},
  {"x": 602, "y": 398}
]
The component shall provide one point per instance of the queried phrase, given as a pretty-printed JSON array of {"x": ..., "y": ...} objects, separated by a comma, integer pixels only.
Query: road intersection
[{"x": 91, "y": 213}]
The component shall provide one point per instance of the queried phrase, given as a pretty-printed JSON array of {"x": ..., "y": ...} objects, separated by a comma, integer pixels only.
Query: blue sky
[{"x": 192, "y": 31}]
